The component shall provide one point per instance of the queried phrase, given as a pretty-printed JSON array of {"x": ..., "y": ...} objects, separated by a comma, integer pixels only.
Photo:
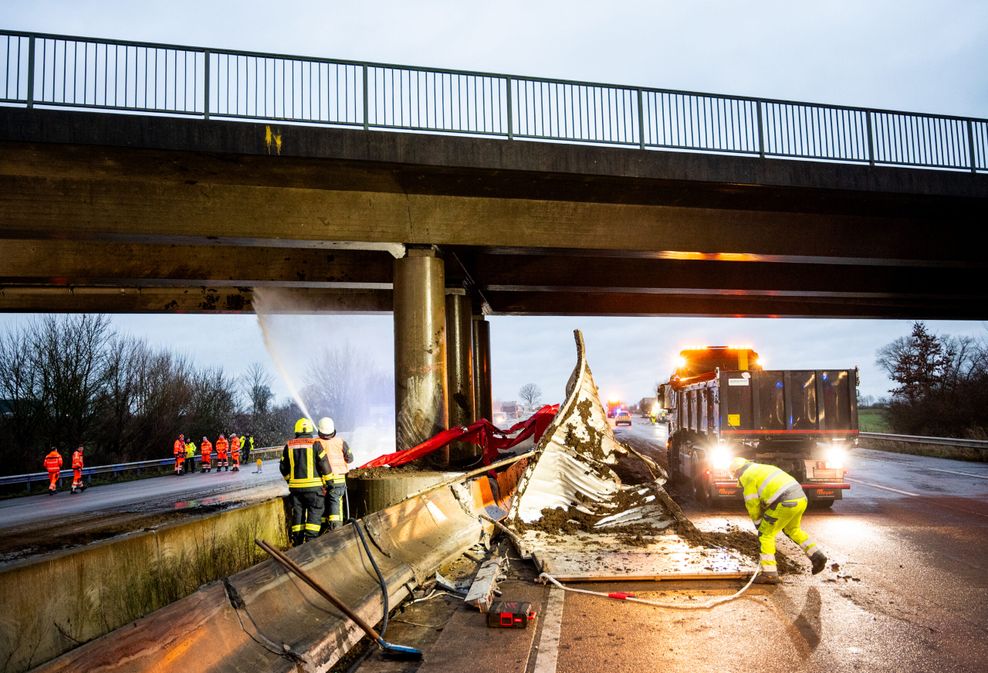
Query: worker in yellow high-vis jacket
[{"x": 775, "y": 502}]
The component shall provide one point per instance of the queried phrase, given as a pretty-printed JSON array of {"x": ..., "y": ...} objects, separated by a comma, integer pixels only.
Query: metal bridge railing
[
  {"x": 264, "y": 453},
  {"x": 80, "y": 72}
]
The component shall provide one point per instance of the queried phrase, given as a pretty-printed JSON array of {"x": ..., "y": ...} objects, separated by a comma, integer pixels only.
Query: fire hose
[{"x": 631, "y": 598}]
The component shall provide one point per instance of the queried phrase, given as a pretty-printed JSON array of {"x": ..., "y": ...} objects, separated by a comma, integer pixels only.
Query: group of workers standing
[
  {"x": 227, "y": 451},
  {"x": 314, "y": 463},
  {"x": 53, "y": 465}
]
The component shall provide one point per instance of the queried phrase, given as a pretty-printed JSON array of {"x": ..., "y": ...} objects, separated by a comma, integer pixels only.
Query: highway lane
[
  {"x": 41, "y": 523},
  {"x": 910, "y": 592}
]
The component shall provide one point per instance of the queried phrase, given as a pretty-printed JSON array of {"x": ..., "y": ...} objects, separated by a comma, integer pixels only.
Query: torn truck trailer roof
[{"x": 579, "y": 522}]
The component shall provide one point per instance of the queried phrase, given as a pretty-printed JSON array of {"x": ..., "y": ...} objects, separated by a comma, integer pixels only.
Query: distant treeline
[
  {"x": 942, "y": 384},
  {"x": 70, "y": 380}
]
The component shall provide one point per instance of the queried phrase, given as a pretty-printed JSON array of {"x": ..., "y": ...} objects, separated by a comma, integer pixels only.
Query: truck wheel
[
  {"x": 701, "y": 492},
  {"x": 822, "y": 503}
]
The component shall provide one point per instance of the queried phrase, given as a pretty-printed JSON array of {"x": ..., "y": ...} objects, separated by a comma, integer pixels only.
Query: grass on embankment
[{"x": 876, "y": 420}]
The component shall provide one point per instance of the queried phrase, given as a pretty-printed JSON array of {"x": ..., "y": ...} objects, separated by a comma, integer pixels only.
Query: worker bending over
[
  {"x": 77, "y": 465},
  {"x": 304, "y": 465},
  {"x": 338, "y": 453},
  {"x": 775, "y": 502},
  {"x": 53, "y": 464}
]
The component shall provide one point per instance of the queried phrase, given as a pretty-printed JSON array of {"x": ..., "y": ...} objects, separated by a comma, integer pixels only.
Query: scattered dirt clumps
[{"x": 746, "y": 542}]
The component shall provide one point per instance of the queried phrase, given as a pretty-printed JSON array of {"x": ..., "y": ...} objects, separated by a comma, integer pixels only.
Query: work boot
[
  {"x": 819, "y": 561},
  {"x": 767, "y": 578}
]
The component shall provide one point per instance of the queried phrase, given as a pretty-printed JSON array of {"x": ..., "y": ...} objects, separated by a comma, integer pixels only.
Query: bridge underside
[{"x": 116, "y": 213}]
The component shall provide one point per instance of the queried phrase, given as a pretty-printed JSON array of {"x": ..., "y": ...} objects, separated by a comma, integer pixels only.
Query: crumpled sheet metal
[{"x": 571, "y": 471}]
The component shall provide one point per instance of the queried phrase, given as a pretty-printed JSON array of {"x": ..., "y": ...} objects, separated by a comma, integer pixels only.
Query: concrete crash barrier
[
  {"x": 264, "y": 619},
  {"x": 53, "y": 603}
]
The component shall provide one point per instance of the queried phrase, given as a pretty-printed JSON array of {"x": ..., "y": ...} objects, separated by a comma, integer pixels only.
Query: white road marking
[
  {"x": 552, "y": 622},
  {"x": 884, "y": 488},
  {"x": 966, "y": 474}
]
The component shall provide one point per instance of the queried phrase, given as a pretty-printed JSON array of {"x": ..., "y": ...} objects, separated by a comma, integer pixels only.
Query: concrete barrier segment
[
  {"x": 52, "y": 603},
  {"x": 266, "y": 619}
]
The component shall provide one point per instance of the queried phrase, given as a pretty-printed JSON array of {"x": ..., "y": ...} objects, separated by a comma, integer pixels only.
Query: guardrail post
[
  {"x": 871, "y": 140},
  {"x": 205, "y": 87},
  {"x": 970, "y": 145},
  {"x": 511, "y": 123},
  {"x": 641, "y": 121},
  {"x": 366, "y": 101},
  {"x": 30, "y": 72},
  {"x": 761, "y": 132}
]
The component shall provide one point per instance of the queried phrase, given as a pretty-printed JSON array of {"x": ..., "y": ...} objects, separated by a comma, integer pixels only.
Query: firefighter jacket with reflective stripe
[
  {"x": 77, "y": 460},
  {"x": 222, "y": 446},
  {"x": 338, "y": 453},
  {"x": 765, "y": 486},
  {"x": 53, "y": 461},
  {"x": 303, "y": 463},
  {"x": 190, "y": 450}
]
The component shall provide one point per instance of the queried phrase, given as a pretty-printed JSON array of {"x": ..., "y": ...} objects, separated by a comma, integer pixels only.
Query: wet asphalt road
[
  {"x": 911, "y": 592},
  {"x": 157, "y": 494}
]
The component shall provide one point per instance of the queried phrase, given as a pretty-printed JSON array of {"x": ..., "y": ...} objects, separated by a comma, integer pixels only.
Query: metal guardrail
[
  {"x": 937, "y": 441},
  {"x": 265, "y": 453},
  {"x": 39, "y": 69}
]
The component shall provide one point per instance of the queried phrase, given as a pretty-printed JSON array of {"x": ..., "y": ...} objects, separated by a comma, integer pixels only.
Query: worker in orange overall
[
  {"x": 77, "y": 465},
  {"x": 206, "y": 449},
  {"x": 235, "y": 451},
  {"x": 53, "y": 464},
  {"x": 222, "y": 448},
  {"x": 179, "y": 452}
]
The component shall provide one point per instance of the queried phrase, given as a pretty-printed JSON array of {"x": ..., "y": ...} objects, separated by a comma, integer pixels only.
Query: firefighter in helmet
[
  {"x": 304, "y": 465},
  {"x": 338, "y": 453}
]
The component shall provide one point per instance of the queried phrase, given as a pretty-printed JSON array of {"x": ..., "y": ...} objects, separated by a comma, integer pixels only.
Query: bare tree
[
  {"x": 344, "y": 383},
  {"x": 531, "y": 393}
]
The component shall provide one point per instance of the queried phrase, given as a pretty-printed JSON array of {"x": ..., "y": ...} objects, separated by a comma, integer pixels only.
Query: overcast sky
[{"x": 898, "y": 54}]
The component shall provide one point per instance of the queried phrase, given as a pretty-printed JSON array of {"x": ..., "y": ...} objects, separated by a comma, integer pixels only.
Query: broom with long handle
[{"x": 390, "y": 650}]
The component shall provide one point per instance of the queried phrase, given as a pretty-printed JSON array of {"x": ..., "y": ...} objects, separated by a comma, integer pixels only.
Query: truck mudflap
[{"x": 813, "y": 490}]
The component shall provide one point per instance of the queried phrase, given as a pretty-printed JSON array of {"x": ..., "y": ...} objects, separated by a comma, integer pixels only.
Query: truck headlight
[
  {"x": 720, "y": 457},
  {"x": 835, "y": 457}
]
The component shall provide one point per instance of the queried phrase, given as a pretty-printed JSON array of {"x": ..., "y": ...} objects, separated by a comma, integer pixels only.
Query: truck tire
[
  {"x": 822, "y": 503},
  {"x": 701, "y": 487}
]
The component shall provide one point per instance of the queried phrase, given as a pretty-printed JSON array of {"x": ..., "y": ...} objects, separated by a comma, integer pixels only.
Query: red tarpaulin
[{"x": 485, "y": 434}]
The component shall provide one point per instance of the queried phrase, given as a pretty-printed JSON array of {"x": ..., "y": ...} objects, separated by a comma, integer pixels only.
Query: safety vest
[
  {"x": 77, "y": 460},
  {"x": 334, "y": 452},
  {"x": 222, "y": 445},
  {"x": 207, "y": 450},
  {"x": 235, "y": 446},
  {"x": 53, "y": 461},
  {"x": 179, "y": 448},
  {"x": 765, "y": 486},
  {"x": 190, "y": 450},
  {"x": 304, "y": 465}
]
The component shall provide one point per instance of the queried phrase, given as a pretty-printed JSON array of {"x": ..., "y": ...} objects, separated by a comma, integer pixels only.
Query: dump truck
[{"x": 723, "y": 404}]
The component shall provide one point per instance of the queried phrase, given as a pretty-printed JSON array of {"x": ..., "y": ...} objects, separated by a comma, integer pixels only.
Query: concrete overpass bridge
[{"x": 446, "y": 196}]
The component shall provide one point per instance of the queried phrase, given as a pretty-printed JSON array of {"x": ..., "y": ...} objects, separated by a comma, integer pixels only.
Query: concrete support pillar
[
  {"x": 459, "y": 373},
  {"x": 482, "y": 367},
  {"x": 420, "y": 349}
]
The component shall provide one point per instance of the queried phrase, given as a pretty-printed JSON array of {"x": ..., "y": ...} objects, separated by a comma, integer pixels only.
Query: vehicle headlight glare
[
  {"x": 720, "y": 457},
  {"x": 836, "y": 457}
]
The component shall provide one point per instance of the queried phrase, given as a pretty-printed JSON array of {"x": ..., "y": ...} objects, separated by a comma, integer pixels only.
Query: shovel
[{"x": 390, "y": 650}]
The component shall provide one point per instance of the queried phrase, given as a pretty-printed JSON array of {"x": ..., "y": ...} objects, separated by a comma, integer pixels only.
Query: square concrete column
[
  {"x": 421, "y": 408},
  {"x": 459, "y": 373},
  {"x": 482, "y": 367}
]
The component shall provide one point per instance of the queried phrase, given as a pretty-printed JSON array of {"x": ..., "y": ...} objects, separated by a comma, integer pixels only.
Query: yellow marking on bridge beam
[{"x": 272, "y": 137}]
